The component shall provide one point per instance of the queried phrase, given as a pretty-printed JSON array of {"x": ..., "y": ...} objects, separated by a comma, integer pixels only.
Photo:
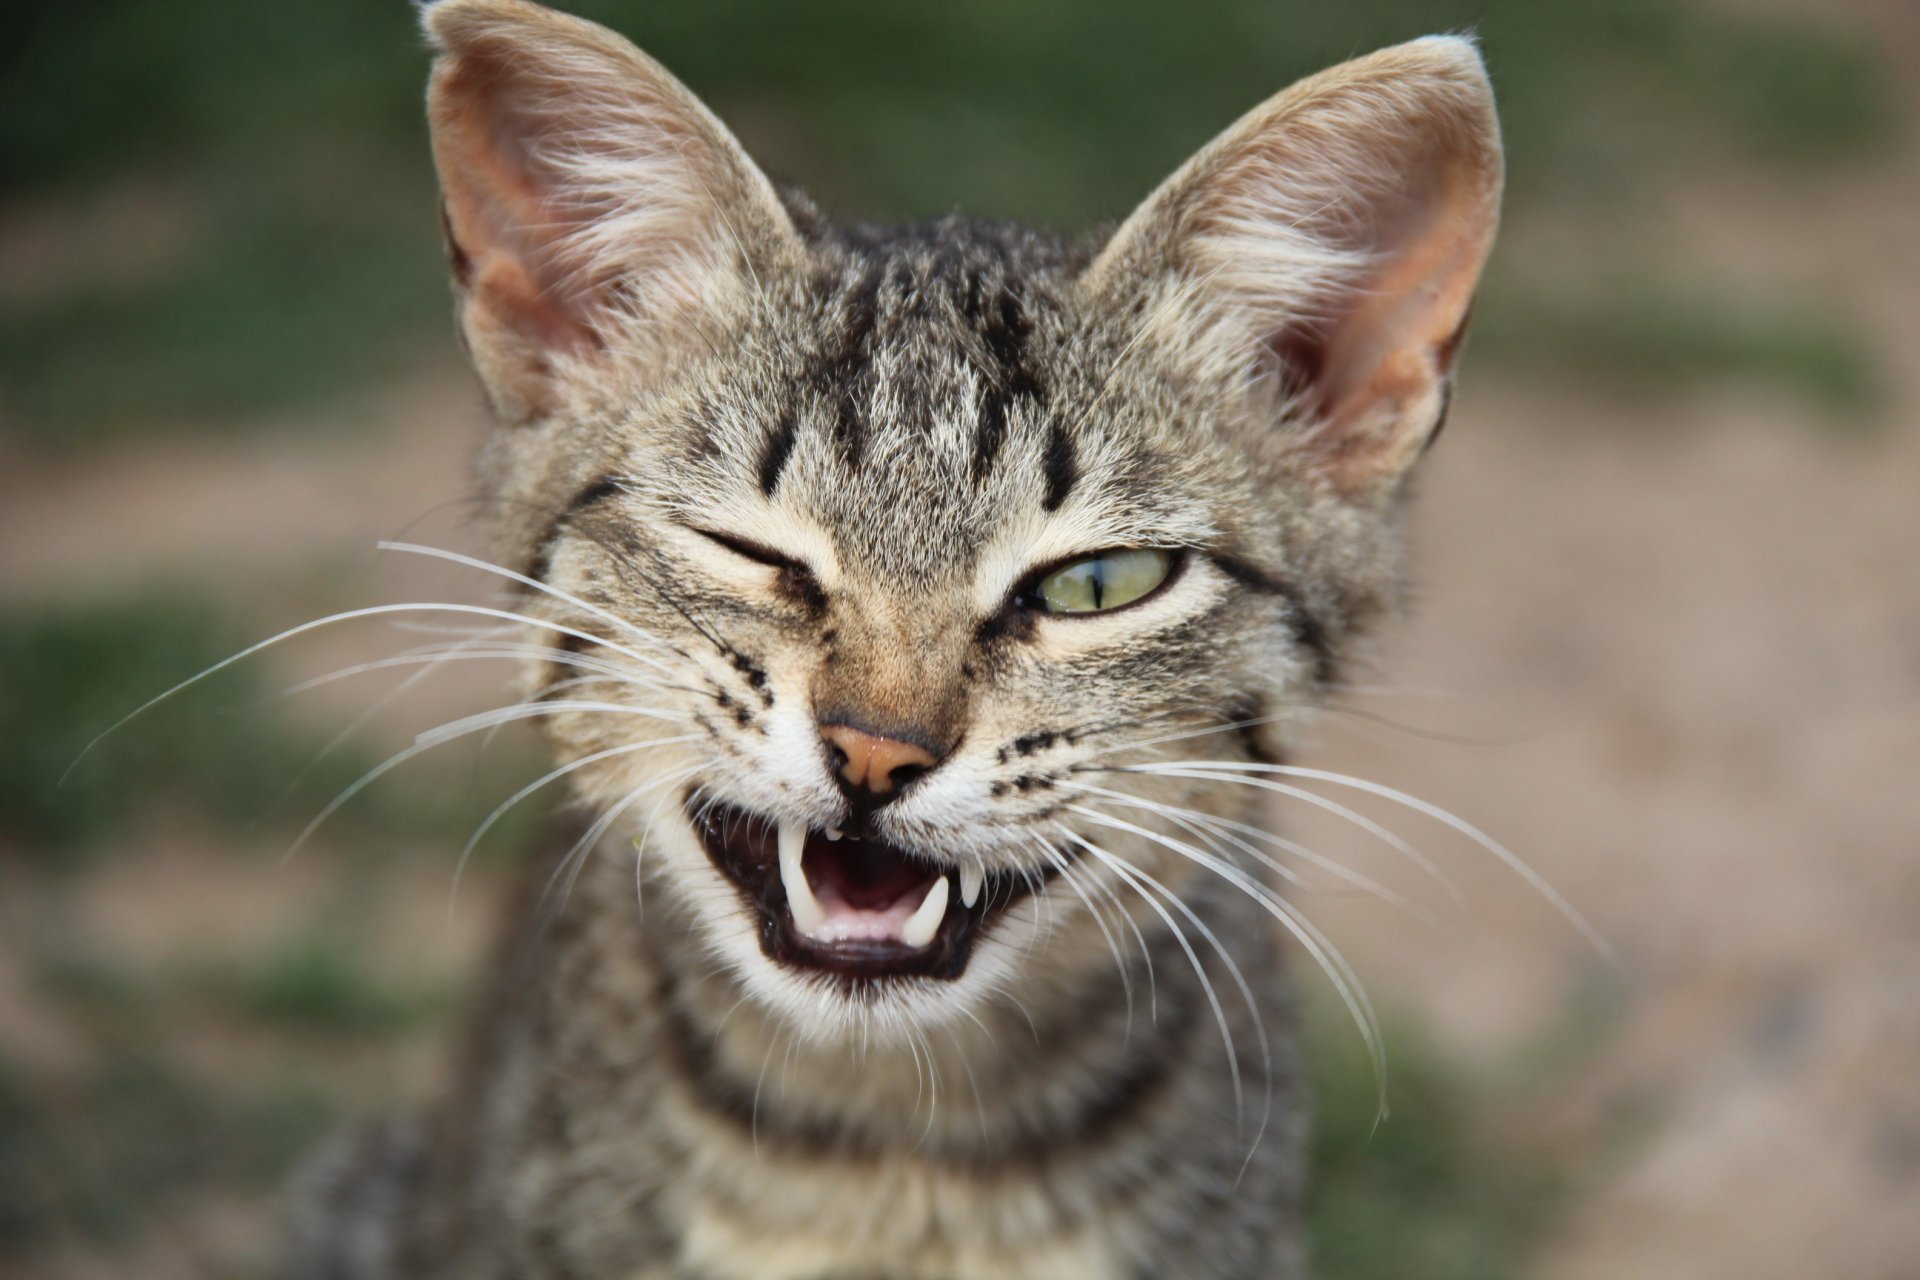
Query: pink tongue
[{"x": 866, "y": 875}]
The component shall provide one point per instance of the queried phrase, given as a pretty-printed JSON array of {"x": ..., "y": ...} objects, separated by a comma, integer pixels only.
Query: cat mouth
[{"x": 855, "y": 905}]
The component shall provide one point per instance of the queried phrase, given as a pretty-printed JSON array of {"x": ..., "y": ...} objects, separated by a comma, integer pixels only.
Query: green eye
[{"x": 1105, "y": 581}]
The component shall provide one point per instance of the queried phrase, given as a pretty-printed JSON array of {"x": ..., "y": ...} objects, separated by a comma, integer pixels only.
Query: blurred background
[{"x": 1665, "y": 642}]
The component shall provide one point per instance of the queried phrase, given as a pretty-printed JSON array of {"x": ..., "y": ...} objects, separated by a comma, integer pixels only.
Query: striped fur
[{"x": 770, "y": 472}]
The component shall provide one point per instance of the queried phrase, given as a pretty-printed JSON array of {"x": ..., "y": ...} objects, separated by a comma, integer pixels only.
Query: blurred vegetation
[
  {"x": 221, "y": 755},
  {"x": 211, "y": 214},
  {"x": 1648, "y": 339},
  {"x": 192, "y": 1076},
  {"x": 236, "y": 202},
  {"x": 1423, "y": 1191},
  {"x": 102, "y": 1153},
  {"x": 110, "y": 1148},
  {"x": 315, "y": 982}
]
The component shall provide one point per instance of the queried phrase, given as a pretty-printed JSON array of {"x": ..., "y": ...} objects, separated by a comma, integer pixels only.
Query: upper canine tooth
[
  {"x": 807, "y": 915},
  {"x": 972, "y": 875},
  {"x": 925, "y": 920}
]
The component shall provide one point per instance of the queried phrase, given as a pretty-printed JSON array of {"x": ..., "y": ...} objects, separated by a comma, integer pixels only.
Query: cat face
[{"x": 914, "y": 594}]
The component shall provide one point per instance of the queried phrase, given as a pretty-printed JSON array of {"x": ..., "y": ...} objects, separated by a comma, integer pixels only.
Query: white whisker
[
  {"x": 1394, "y": 841},
  {"x": 1135, "y": 879},
  {"x": 1224, "y": 771},
  {"x": 447, "y": 733},
  {"x": 350, "y": 615},
  {"x": 1339, "y": 972},
  {"x": 432, "y": 658},
  {"x": 1210, "y": 826},
  {"x": 533, "y": 710},
  {"x": 1061, "y": 865},
  {"x": 576, "y": 858},
  {"x": 506, "y": 805},
  {"x": 607, "y": 615}
]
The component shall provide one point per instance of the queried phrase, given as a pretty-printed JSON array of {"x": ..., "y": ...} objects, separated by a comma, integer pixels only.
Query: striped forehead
[{"x": 922, "y": 409}]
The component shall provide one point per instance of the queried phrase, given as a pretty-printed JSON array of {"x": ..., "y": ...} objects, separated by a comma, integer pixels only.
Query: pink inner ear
[
  {"x": 1393, "y": 334},
  {"x": 504, "y": 215}
]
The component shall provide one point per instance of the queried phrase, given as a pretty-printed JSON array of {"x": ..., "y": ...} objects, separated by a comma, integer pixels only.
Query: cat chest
[{"x": 800, "y": 1220}]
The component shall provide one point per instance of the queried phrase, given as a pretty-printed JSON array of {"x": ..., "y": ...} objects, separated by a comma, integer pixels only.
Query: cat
[{"x": 922, "y": 612}]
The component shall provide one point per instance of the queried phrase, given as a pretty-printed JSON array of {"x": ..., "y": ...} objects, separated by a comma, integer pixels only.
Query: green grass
[
  {"x": 1426, "y": 1191},
  {"x": 1648, "y": 339},
  {"x": 281, "y": 302},
  {"x": 105, "y": 1147},
  {"x": 319, "y": 982},
  {"x": 73, "y": 672},
  {"x": 220, "y": 754},
  {"x": 295, "y": 128},
  {"x": 109, "y": 1149}
]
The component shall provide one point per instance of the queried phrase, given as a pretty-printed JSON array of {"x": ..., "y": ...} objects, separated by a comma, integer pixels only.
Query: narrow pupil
[{"x": 1099, "y": 576}]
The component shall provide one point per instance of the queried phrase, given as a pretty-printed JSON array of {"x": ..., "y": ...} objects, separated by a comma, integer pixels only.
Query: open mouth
[{"x": 855, "y": 904}]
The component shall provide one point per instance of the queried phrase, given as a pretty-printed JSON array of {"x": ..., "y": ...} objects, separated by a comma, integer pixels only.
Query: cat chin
[{"x": 826, "y": 1009}]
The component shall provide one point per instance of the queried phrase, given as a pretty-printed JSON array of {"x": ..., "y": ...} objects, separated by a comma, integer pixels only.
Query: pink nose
[{"x": 874, "y": 763}]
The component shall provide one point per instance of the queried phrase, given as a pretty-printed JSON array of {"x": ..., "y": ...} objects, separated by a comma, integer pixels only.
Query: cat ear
[
  {"x": 1328, "y": 245},
  {"x": 589, "y": 198}
]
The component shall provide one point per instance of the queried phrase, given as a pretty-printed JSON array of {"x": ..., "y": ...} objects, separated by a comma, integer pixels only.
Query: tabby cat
[{"x": 918, "y": 613}]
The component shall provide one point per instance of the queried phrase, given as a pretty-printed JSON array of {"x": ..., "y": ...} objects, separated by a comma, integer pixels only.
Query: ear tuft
[{"x": 1329, "y": 243}]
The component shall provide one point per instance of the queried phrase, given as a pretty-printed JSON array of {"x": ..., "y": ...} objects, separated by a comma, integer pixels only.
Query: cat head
[{"x": 890, "y": 575}]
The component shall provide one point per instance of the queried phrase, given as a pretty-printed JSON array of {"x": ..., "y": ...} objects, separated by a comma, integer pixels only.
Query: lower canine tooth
[
  {"x": 925, "y": 920},
  {"x": 807, "y": 915},
  {"x": 972, "y": 874}
]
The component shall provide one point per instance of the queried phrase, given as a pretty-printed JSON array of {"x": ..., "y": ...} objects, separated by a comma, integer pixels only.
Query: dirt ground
[{"x": 1681, "y": 640}]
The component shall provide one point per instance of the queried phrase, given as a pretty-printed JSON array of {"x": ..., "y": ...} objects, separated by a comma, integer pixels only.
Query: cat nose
[{"x": 870, "y": 764}]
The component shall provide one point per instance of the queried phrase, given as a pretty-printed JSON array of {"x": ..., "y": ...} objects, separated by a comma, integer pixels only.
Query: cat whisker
[
  {"x": 1063, "y": 866},
  {"x": 1138, "y": 880},
  {"x": 1332, "y": 962},
  {"x": 1239, "y": 833},
  {"x": 552, "y": 775},
  {"x": 700, "y": 626},
  {"x": 759, "y": 1085},
  {"x": 1274, "y": 903},
  {"x": 973, "y": 1082},
  {"x": 1192, "y": 820},
  {"x": 333, "y": 619},
  {"x": 433, "y": 657},
  {"x": 622, "y": 562},
  {"x": 1393, "y": 840},
  {"x": 1231, "y": 771},
  {"x": 472, "y": 562},
  {"x": 933, "y": 1084},
  {"x": 361, "y": 720},
  {"x": 431, "y": 738},
  {"x": 1219, "y": 724},
  {"x": 575, "y": 860},
  {"x": 639, "y": 852},
  {"x": 1112, "y": 898},
  {"x": 535, "y": 709}
]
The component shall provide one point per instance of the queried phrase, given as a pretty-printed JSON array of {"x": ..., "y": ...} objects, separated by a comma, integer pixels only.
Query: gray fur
[{"x": 915, "y": 419}]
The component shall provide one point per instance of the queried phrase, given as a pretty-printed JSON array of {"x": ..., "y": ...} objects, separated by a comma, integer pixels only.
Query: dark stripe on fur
[
  {"x": 779, "y": 448},
  {"x": 1005, "y": 329},
  {"x": 840, "y": 374},
  {"x": 541, "y": 563},
  {"x": 1061, "y": 466},
  {"x": 1307, "y": 627},
  {"x": 1100, "y": 1120}
]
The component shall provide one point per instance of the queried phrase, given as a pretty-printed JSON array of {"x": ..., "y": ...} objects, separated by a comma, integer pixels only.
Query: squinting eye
[{"x": 1102, "y": 582}]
